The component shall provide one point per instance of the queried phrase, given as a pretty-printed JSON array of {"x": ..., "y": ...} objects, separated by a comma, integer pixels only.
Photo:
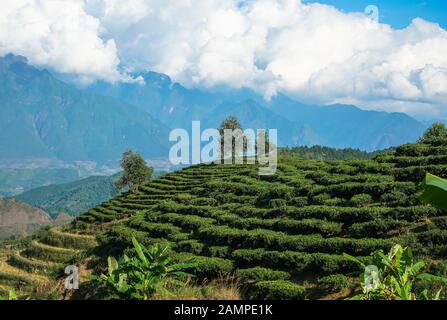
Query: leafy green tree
[
  {"x": 269, "y": 146},
  {"x": 230, "y": 123},
  {"x": 436, "y": 131},
  {"x": 139, "y": 277},
  {"x": 135, "y": 172}
]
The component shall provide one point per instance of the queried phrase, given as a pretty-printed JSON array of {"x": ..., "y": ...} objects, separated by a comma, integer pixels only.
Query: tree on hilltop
[
  {"x": 233, "y": 124},
  {"x": 136, "y": 172},
  {"x": 436, "y": 131}
]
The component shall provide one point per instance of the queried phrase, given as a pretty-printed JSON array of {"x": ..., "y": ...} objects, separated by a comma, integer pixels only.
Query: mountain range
[
  {"x": 340, "y": 126},
  {"x": 44, "y": 117}
]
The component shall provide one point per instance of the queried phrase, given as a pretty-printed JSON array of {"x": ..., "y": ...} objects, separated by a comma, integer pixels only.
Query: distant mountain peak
[
  {"x": 11, "y": 58},
  {"x": 159, "y": 79},
  {"x": 21, "y": 68}
]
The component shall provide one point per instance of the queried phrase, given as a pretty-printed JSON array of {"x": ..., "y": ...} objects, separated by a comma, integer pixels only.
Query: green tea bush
[
  {"x": 433, "y": 237},
  {"x": 189, "y": 222},
  {"x": 277, "y": 290},
  {"x": 275, "y": 191},
  {"x": 33, "y": 266},
  {"x": 65, "y": 240},
  {"x": 394, "y": 199},
  {"x": 15, "y": 280},
  {"x": 48, "y": 254},
  {"x": 219, "y": 251},
  {"x": 156, "y": 230},
  {"x": 206, "y": 267},
  {"x": 336, "y": 282},
  {"x": 261, "y": 274},
  {"x": 376, "y": 227},
  {"x": 298, "y": 262},
  {"x": 298, "y": 202},
  {"x": 119, "y": 237},
  {"x": 307, "y": 226},
  {"x": 361, "y": 200},
  {"x": 277, "y": 203},
  {"x": 321, "y": 198},
  {"x": 191, "y": 246}
]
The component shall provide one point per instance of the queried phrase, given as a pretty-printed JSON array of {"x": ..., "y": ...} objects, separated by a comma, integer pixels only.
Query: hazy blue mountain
[
  {"x": 339, "y": 126},
  {"x": 42, "y": 117},
  {"x": 170, "y": 102},
  {"x": 253, "y": 115},
  {"x": 346, "y": 126}
]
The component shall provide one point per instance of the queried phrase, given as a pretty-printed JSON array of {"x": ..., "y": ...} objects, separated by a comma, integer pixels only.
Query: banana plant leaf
[{"x": 435, "y": 191}]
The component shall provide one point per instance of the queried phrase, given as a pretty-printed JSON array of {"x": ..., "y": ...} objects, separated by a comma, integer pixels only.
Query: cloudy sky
[{"x": 393, "y": 58}]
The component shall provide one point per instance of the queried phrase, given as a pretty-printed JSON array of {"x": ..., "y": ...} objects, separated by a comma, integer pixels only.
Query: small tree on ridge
[{"x": 135, "y": 172}]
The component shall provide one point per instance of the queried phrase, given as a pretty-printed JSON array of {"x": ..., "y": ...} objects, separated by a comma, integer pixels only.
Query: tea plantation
[{"x": 283, "y": 236}]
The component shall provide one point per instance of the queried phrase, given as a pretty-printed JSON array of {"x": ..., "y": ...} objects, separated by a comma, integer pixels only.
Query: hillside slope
[
  {"x": 228, "y": 219},
  {"x": 72, "y": 198},
  {"x": 20, "y": 219}
]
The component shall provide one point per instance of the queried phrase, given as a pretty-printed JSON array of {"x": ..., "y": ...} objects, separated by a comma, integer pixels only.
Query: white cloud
[
  {"x": 60, "y": 35},
  {"x": 312, "y": 52}
]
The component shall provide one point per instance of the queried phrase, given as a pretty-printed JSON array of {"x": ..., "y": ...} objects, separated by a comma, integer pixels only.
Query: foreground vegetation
[
  {"x": 394, "y": 276},
  {"x": 281, "y": 237}
]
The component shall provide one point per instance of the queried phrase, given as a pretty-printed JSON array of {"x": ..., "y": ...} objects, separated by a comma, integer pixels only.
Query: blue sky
[{"x": 398, "y": 13}]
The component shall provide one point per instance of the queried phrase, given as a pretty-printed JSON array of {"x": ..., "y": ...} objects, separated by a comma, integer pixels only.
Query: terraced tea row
[{"x": 34, "y": 270}]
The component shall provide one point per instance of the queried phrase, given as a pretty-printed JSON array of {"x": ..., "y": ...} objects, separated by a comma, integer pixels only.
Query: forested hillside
[
  {"x": 76, "y": 197},
  {"x": 72, "y": 198},
  {"x": 280, "y": 234},
  {"x": 326, "y": 153}
]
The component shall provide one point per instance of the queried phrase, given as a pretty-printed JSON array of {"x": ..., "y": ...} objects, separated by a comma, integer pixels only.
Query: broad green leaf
[
  {"x": 139, "y": 251},
  {"x": 432, "y": 278},
  {"x": 435, "y": 191},
  {"x": 12, "y": 295},
  {"x": 417, "y": 267},
  {"x": 113, "y": 265},
  {"x": 438, "y": 295},
  {"x": 354, "y": 259}
]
